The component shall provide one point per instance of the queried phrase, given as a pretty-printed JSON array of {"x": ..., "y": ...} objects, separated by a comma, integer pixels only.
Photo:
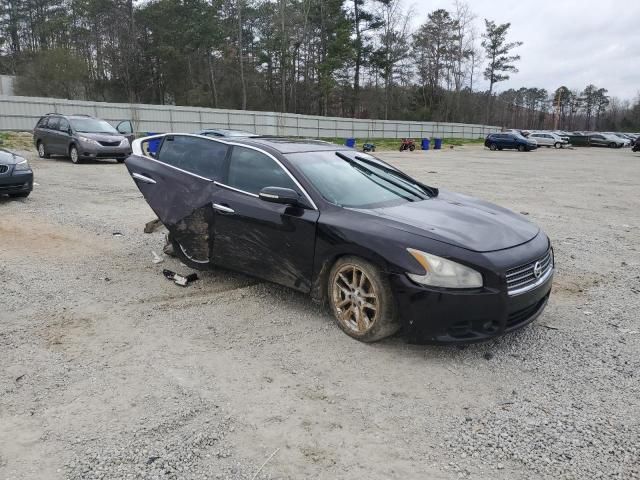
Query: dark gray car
[
  {"x": 16, "y": 176},
  {"x": 82, "y": 137}
]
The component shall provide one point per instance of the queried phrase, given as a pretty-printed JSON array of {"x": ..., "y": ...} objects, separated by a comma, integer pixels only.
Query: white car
[
  {"x": 548, "y": 139},
  {"x": 625, "y": 141}
]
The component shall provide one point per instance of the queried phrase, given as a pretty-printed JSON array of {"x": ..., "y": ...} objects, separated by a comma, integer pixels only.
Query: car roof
[
  {"x": 226, "y": 132},
  {"x": 290, "y": 145}
]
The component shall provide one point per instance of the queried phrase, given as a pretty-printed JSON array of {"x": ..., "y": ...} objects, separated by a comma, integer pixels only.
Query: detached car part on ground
[
  {"x": 16, "y": 176},
  {"x": 81, "y": 137},
  {"x": 386, "y": 251}
]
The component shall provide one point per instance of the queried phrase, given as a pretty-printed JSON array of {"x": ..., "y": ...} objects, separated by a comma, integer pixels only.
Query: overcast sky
[{"x": 566, "y": 42}]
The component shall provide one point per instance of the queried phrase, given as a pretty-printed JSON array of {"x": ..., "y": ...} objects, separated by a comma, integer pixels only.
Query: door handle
[
  {"x": 143, "y": 178},
  {"x": 223, "y": 208}
]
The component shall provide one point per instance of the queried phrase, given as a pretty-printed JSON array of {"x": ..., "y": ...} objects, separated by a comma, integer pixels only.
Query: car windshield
[
  {"x": 91, "y": 125},
  {"x": 353, "y": 180}
]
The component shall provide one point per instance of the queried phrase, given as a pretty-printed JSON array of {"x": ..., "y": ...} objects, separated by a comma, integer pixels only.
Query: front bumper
[
  {"x": 448, "y": 316},
  {"x": 89, "y": 151},
  {"x": 16, "y": 183}
]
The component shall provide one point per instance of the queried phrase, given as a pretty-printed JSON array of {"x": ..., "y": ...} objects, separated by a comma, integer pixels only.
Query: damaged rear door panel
[{"x": 179, "y": 186}]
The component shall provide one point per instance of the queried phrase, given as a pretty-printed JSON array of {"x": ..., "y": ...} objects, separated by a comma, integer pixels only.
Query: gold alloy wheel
[{"x": 355, "y": 299}]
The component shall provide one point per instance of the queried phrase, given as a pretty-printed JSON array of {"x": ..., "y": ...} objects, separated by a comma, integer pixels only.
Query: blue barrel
[
  {"x": 438, "y": 144},
  {"x": 152, "y": 145},
  {"x": 425, "y": 143},
  {"x": 350, "y": 142}
]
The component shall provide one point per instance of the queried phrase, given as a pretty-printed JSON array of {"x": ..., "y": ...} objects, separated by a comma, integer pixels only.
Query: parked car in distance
[
  {"x": 636, "y": 144},
  {"x": 222, "y": 132},
  {"x": 384, "y": 250},
  {"x": 547, "y": 139},
  {"x": 80, "y": 137},
  {"x": 626, "y": 142},
  {"x": 16, "y": 176},
  {"x": 500, "y": 141},
  {"x": 605, "y": 140}
]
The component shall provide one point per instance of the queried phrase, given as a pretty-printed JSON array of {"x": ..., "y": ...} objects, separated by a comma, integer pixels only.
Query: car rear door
[
  {"x": 52, "y": 136},
  {"x": 268, "y": 240},
  {"x": 179, "y": 185}
]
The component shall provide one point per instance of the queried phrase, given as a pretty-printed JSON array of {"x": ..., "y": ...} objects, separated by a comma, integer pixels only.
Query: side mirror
[{"x": 285, "y": 196}]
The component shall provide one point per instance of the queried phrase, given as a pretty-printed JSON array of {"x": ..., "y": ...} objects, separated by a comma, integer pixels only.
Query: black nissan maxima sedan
[{"x": 384, "y": 250}]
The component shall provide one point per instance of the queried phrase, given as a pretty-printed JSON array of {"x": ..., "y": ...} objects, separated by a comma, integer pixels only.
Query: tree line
[{"x": 349, "y": 58}]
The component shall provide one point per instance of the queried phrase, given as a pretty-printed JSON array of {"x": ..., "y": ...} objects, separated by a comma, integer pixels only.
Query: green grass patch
[
  {"x": 394, "y": 143},
  {"x": 16, "y": 140}
]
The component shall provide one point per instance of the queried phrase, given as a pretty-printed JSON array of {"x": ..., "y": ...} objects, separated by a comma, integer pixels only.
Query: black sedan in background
[
  {"x": 383, "y": 249},
  {"x": 16, "y": 176}
]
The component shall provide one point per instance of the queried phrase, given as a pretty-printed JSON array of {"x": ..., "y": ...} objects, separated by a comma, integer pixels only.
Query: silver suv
[{"x": 82, "y": 137}]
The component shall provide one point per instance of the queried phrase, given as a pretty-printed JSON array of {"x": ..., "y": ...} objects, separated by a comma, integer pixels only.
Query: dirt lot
[{"x": 111, "y": 371}]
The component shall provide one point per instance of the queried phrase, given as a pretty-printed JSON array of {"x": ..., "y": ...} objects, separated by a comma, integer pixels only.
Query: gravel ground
[{"x": 109, "y": 371}]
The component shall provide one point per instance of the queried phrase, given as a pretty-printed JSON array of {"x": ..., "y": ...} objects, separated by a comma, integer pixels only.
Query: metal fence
[{"x": 22, "y": 113}]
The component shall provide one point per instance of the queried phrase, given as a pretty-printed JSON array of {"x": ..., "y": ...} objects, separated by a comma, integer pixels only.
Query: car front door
[
  {"x": 179, "y": 185},
  {"x": 126, "y": 128},
  {"x": 63, "y": 138},
  {"x": 510, "y": 141},
  {"x": 267, "y": 240},
  {"x": 596, "y": 140}
]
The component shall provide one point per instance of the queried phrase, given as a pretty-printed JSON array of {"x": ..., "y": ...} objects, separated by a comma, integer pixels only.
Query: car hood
[
  {"x": 462, "y": 221},
  {"x": 9, "y": 158},
  {"x": 103, "y": 137}
]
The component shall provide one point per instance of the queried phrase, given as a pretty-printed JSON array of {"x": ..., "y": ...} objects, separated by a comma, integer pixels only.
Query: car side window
[
  {"x": 53, "y": 123},
  {"x": 195, "y": 155},
  {"x": 251, "y": 171},
  {"x": 63, "y": 125}
]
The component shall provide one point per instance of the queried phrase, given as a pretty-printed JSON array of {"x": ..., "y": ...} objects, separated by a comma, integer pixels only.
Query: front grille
[
  {"x": 4, "y": 169},
  {"x": 109, "y": 144},
  {"x": 525, "y": 275}
]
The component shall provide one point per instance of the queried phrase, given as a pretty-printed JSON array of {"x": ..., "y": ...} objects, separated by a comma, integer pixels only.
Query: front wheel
[
  {"x": 612, "y": 145},
  {"x": 189, "y": 258},
  {"x": 120, "y": 160},
  {"x": 361, "y": 300},
  {"x": 557, "y": 145},
  {"x": 74, "y": 155},
  {"x": 521, "y": 148},
  {"x": 493, "y": 147}
]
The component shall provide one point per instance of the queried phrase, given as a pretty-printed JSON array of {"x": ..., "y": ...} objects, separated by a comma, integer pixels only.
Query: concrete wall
[{"x": 22, "y": 113}]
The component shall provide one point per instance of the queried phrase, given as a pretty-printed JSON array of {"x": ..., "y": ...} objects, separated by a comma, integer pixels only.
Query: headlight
[
  {"x": 124, "y": 142},
  {"x": 440, "y": 272},
  {"x": 22, "y": 166},
  {"x": 90, "y": 141}
]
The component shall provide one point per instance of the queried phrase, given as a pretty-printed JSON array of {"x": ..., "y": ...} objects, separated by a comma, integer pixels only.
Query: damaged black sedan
[{"x": 383, "y": 249}]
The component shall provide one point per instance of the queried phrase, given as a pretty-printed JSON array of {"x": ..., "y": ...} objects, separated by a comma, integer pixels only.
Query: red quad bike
[{"x": 407, "y": 144}]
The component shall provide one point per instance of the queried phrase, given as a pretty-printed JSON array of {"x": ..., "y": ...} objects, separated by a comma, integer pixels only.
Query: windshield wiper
[
  {"x": 413, "y": 191},
  {"x": 431, "y": 191}
]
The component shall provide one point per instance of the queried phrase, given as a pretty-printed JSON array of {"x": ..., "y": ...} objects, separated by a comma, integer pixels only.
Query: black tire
[
  {"x": 74, "y": 155},
  {"x": 612, "y": 145},
  {"x": 521, "y": 148},
  {"x": 42, "y": 151},
  {"x": 493, "y": 147},
  {"x": 184, "y": 257},
  {"x": 402, "y": 149},
  {"x": 412, "y": 148},
  {"x": 375, "y": 289},
  {"x": 20, "y": 195},
  {"x": 120, "y": 160},
  {"x": 557, "y": 145}
]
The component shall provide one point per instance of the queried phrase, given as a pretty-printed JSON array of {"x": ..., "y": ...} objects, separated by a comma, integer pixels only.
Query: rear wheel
[
  {"x": 412, "y": 148},
  {"x": 361, "y": 301},
  {"x": 74, "y": 155},
  {"x": 493, "y": 147},
  {"x": 42, "y": 152},
  {"x": 20, "y": 195},
  {"x": 521, "y": 148}
]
